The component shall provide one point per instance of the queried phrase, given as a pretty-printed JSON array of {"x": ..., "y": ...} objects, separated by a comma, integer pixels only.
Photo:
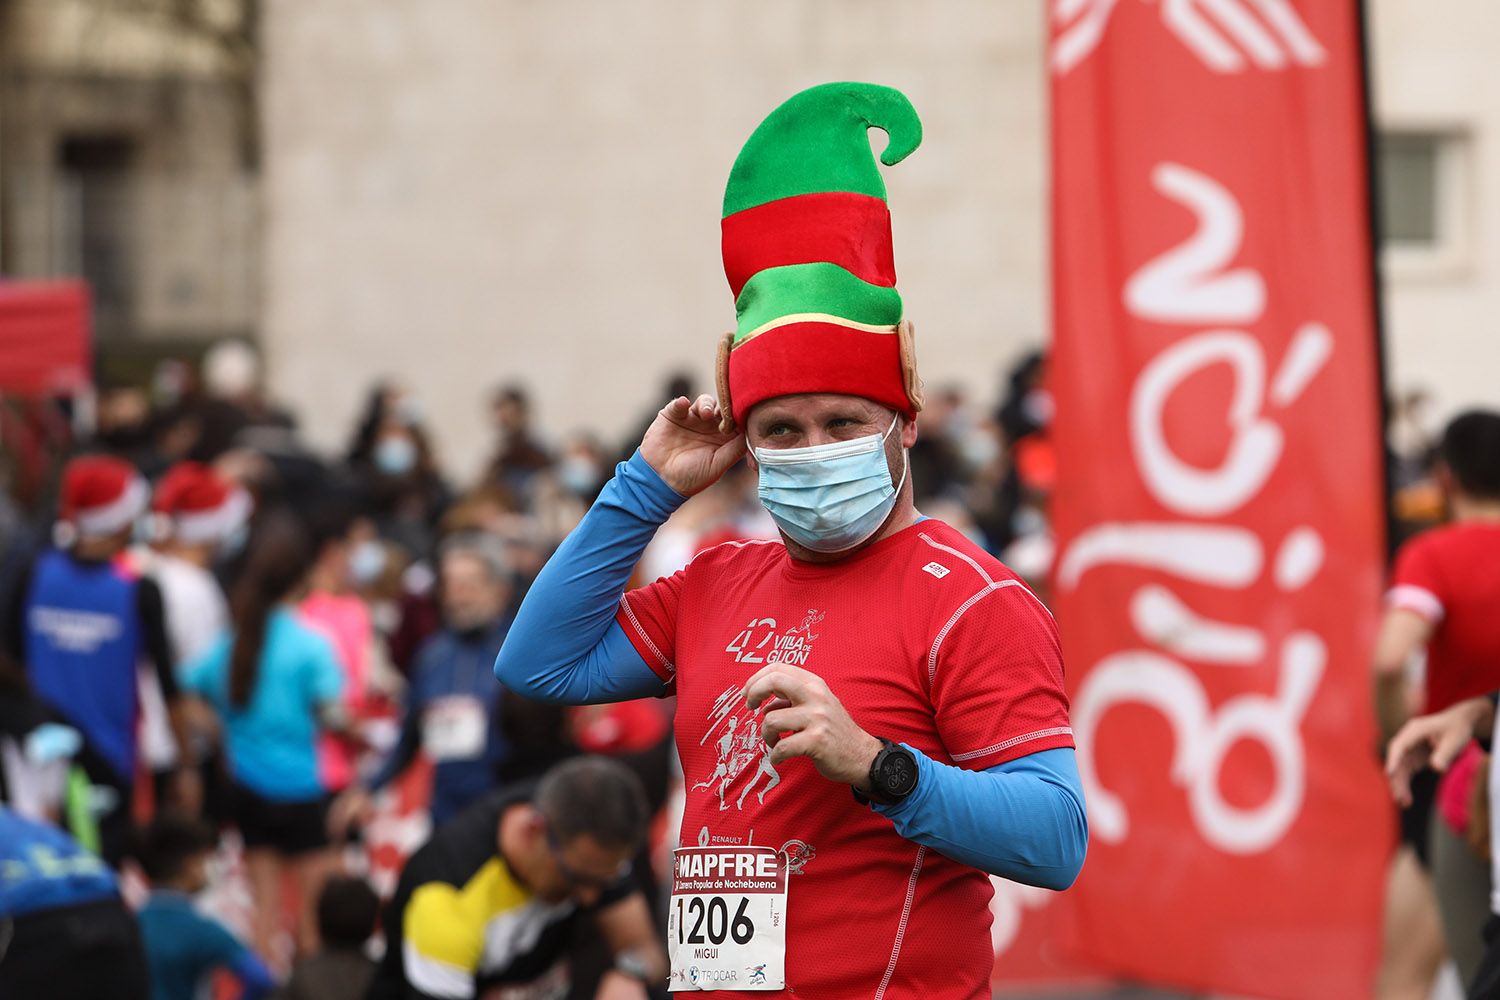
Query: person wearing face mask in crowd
[
  {"x": 344, "y": 546},
  {"x": 873, "y": 703},
  {"x": 387, "y": 402},
  {"x": 407, "y": 496},
  {"x": 453, "y": 695},
  {"x": 488, "y": 906}
]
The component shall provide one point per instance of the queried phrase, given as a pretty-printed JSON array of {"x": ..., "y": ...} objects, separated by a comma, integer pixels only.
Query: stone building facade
[{"x": 127, "y": 156}]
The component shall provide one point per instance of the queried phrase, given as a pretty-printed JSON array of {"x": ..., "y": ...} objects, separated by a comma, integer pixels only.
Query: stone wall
[{"x": 468, "y": 192}]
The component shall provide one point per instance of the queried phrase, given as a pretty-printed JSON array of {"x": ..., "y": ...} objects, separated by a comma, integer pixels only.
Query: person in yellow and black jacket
[{"x": 486, "y": 908}]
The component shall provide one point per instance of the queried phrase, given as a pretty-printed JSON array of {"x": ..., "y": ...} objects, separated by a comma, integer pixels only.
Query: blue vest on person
[
  {"x": 42, "y": 868},
  {"x": 83, "y": 645}
]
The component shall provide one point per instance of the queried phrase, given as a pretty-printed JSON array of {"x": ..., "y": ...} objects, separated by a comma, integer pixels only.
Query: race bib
[
  {"x": 453, "y": 728},
  {"x": 726, "y": 927}
]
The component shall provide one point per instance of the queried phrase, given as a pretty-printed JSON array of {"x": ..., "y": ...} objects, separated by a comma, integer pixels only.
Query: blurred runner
[
  {"x": 347, "y": 910},
  {"x": 1444, "y": 593},
  {"x": 486, "y": 908},
  {"x": 64, "y": 930},
  {"x": 87, "y": 621},
  {"x": 184, "y": 946},
  {"x": 1435, "y": 741},
  {"x": 276, "y": 684},
  {"x": 195, "y": 513},
  {"x": 453, "y": 697}
]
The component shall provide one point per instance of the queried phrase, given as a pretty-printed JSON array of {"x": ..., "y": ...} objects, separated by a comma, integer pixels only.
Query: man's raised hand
[{"x": 686, "y": 448}]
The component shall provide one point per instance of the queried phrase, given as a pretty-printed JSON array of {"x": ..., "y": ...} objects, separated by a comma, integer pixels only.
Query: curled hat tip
[
  {"x": 890, "y": 111},
  {"x": 817, "y": 141}
]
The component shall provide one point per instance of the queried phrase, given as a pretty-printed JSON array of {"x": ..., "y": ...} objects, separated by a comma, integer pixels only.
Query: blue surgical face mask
[
  {"x": 366, "y": 563},
  {"x": 395, "y": 456},
  {"x": 829, "y": 497}
]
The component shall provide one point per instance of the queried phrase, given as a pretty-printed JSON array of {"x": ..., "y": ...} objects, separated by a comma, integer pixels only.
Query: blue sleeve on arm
[
  {"x": 1023, "y": 820},
  {"x": 255, "y": 979},
  {"x": 564, "y": 645}
]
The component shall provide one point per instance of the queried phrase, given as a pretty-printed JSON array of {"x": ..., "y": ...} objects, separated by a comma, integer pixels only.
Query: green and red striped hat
[{"x": 807, "y": 251}]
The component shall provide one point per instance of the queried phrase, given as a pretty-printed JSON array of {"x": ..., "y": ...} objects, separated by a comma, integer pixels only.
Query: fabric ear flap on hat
[
  {"x": 721, "y": 382},
  {"x": 907, "y": 335}
]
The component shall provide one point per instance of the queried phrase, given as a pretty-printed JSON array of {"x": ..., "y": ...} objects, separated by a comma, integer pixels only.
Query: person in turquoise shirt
[
  {"x": 275, "y": 684},
  {"x": 183, "y": 945}
]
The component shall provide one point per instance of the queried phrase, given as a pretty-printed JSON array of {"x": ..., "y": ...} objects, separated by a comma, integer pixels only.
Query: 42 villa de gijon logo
[{"x": 759, "y": 642}]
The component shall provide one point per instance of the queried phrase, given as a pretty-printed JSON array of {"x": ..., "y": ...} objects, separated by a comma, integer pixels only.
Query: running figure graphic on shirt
[{"x": 739, "y": 746}]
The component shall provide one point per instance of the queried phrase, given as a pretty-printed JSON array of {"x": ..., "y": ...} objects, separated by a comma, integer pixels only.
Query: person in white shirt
[{"x": 195, "y": 511}]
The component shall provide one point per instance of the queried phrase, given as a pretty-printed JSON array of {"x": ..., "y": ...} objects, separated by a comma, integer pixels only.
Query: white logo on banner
[
  {"x": 1226, "y": 36},
  {"x": 1195, "y": 283}
]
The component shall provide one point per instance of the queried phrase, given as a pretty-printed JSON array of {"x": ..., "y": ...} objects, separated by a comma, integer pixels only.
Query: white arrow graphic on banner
[{"x": 1226, "y": 36}]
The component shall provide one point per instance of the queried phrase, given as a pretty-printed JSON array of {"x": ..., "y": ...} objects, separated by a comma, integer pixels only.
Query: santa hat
[
  {"x": 196, "y": 504},
  {"x": 807, "y": 251},
  {"x": 100, "y": 496}
]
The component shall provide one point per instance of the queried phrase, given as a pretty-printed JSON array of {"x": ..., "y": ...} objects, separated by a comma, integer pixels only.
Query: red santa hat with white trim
[
  {"x": 196, "y": 504},
  {"x": 101, "y": 495}
]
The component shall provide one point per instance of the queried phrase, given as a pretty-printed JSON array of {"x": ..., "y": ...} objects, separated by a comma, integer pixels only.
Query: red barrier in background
[
  {"x": 1219, "y": 504},
  {"x": 44, "y": 337}
]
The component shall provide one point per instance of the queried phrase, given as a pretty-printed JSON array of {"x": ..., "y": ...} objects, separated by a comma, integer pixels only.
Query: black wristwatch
[{"x": 893, "y": 774}]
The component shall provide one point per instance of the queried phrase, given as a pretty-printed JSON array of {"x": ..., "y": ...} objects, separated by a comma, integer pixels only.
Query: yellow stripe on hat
[{"x": 829, "y": 318}]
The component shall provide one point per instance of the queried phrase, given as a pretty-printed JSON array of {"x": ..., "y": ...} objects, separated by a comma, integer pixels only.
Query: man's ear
[{"x": 908, "y": 432}]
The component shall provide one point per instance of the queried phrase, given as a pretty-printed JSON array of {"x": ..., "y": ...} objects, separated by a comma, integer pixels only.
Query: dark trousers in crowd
[
  {"x": 87, "y": 952},
  {"x": 1486, "y": 984}
]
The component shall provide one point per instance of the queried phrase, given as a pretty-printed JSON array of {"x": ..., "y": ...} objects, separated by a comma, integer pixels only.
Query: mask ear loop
[{"x": 905, "y": 458}]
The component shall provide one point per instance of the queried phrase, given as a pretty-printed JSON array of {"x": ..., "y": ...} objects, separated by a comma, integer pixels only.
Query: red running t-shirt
[
  {"x": 1451, "y": 577},
  {"x": 926, "y": 640}
]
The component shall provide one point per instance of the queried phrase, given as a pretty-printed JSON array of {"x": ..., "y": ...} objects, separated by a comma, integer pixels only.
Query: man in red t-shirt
[
  {"x": 870, "y": 712},
  {"x": 1445, "y": 599}
]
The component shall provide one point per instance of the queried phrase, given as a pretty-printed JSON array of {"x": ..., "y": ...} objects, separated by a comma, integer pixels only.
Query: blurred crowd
[
  {"x": 256, "y": 677},
  {"x": 241, "y": 681}
]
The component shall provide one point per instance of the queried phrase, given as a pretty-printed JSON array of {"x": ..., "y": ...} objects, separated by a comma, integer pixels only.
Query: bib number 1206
[
  {"x": 726, "y": 927},
  {"x": 716, "y": 915}
]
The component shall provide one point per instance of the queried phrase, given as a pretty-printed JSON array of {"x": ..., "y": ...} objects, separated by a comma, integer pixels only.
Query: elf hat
[
  {"x": 196, "y": 504},
  {"x": 807, "y": 251},
  {"x": 100, "y": 496}
]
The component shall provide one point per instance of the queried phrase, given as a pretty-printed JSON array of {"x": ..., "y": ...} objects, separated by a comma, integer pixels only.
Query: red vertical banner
[{"x": 1219, "y": 505}]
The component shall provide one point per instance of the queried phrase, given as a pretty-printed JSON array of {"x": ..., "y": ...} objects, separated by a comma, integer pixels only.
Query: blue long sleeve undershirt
[
  {"x": 565, "y": 645},
  {"x": 1023, "y": 819}
]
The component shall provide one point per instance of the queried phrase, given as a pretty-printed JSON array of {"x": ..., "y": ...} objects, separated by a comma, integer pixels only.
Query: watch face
[{"x": 898, "y": 773}]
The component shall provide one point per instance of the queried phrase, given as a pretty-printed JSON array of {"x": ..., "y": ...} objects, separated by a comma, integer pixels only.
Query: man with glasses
[{"x": 487, "y": 907}]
